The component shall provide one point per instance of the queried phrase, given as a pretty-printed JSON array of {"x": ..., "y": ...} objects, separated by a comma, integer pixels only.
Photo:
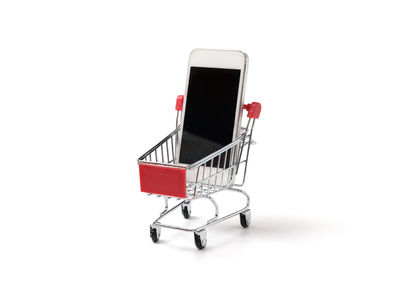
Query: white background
[{"x": 86, "y": 87}]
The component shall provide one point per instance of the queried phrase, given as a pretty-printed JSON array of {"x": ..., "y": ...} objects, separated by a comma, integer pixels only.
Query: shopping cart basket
[{"x": 161, "y": 175}]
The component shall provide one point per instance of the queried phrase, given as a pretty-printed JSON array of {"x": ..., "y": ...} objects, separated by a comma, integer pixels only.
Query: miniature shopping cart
[{"x": 161, "y": 175}]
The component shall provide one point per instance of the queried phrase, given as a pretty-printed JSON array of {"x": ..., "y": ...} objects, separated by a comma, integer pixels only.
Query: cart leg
[
  {"x": 216, "y": 209},
  {"x": 165, "y": 206},
  {"x": 200, "y": 239}
]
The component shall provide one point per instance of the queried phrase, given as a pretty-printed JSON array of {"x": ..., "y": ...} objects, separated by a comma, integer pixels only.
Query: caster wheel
[
  {"x": 155, "y": 233},
  {"x": 245, "y": 218},
  {"x": 200, "y": 239},
  {"x": 186, "y": 210}
]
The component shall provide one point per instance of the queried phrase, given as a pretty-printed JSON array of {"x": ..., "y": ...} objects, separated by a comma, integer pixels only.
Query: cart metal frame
[{"x": 214, "y": 173}]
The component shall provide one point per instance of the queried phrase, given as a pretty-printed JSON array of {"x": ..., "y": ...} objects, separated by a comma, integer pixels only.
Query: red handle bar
[{"x": 253, "y": 109}]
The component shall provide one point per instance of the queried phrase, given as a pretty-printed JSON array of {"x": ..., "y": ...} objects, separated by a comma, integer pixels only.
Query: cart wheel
[
  {"x": 155, "y": 232},
  {"x": 245, "y": 218},
  {"x": 186, "y": 210},
  {"x": 200, "y": 239}
]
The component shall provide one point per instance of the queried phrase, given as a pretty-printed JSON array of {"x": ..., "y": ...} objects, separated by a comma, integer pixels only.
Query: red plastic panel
[
  {"x": 163, "y": 180},
  {"x": 253, "y": 109},
  {"x": 179, "y": 103}
]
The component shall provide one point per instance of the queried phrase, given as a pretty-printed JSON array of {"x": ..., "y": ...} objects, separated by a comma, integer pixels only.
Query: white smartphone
[{"x": 213, "y": 102}]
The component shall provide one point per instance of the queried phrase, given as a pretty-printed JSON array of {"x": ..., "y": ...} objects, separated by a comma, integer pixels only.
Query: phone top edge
[
  {"x": 213, "y": 58},
  {"x": 217, "y": 50}
]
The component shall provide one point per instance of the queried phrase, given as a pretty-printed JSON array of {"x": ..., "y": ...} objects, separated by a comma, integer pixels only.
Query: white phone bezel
[{"x": 217, "y": 59}]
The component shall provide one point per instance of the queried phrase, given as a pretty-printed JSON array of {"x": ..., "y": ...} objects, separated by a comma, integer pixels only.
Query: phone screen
[{"x": 210, "y": 112}]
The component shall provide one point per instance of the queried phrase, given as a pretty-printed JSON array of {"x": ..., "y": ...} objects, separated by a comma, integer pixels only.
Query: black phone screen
[{"x": 210, "y": 112}]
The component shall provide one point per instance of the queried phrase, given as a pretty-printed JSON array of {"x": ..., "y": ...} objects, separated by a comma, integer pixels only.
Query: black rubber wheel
[
  {"x": 199, "y": 244},
  {"x": 185, "y": 212},
  {"x": 243, "y": 221},
  {"x": 153, "y": 234}
]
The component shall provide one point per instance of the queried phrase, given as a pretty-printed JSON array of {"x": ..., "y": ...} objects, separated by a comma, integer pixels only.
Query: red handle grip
[
  {"x": 179, "y": 103},
  {"x": 253, "y": 109}
]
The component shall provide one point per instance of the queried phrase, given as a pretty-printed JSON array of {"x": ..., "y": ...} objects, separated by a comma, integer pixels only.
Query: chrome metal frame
[{"x": 209, "y": 179}]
